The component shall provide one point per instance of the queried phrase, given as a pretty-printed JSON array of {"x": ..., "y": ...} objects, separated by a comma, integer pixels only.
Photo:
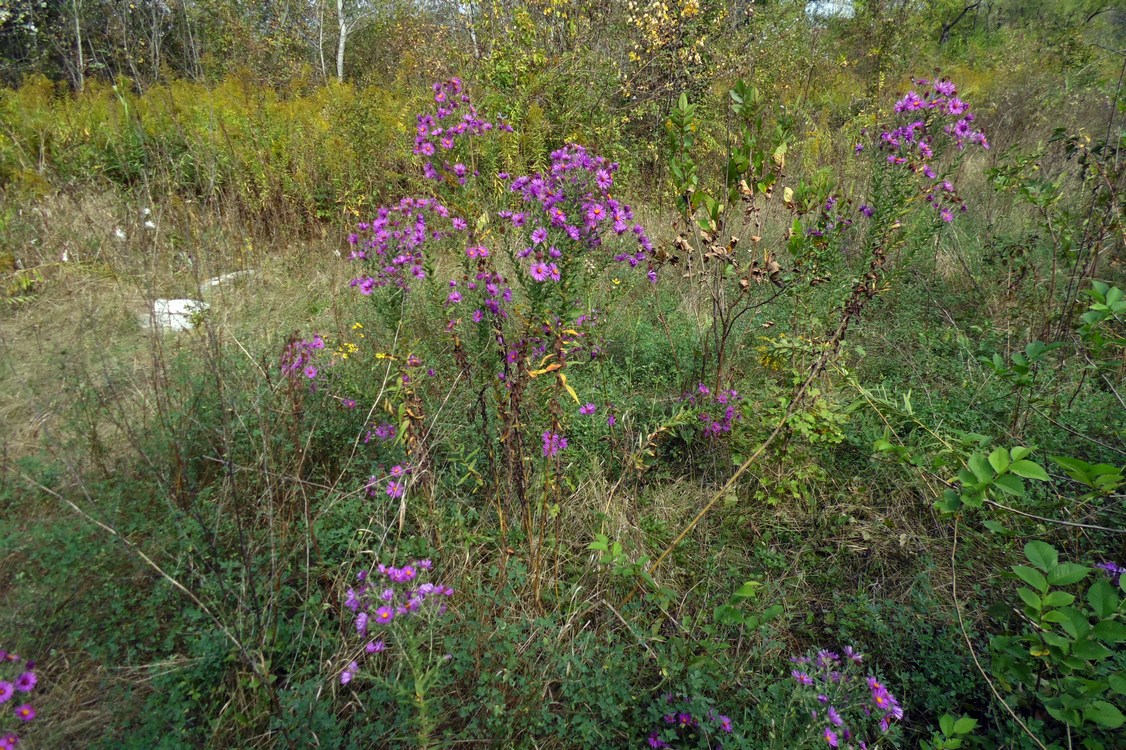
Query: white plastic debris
[
  {"x": 149, "y": 225},
  {"x": 206, "y": 287},
  {"x": 174, "y": 314}
]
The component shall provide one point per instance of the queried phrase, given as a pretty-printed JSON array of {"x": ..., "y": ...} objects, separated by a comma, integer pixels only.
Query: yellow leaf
[
  {"x": 563, "y": 380},
  {"x": 544, "y": 371}
]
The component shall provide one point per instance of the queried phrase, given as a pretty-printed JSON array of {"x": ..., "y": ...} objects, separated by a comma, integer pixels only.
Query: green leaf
[
  {"x": 1071, "y": 620},
  {"x": 980, "y": 467},
  {"x": 1102, "y": 598},
  {"x": 1058, "y": 599},
  {"x": 1105, "y": 714},
  {"x": 946, "y": 724},
  {"x": 747, "y": 590},
  {"x": 1010, "y": 483},
  {"x": 1066, "y": 574},
  {"x": 1029, "y": 470},
  {"x": 995, "y": 527},
  {"x": 1109, "y": 631},
  {"x": 1019, "y": 452},
  {"x": 1117, "y": 683},
  {"x": 1042, "y": 555},
  {"x": 726, "y": 614},
  {"x": 964, "y": 725},
  {"x": 1054, "y": 639},
  {"x": 1032, "y": 577},
  {"x": 1030, "y": 598},
  {"x": 999, "y": 460},
  {"x": 950, "y": 502},
  {"x": 1090, "y": 650}
]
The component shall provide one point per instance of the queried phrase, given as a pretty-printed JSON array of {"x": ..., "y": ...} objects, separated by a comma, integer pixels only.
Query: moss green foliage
[{"x": 928, "y": 419}]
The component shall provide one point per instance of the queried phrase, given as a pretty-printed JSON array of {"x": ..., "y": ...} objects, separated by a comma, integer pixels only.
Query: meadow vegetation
[{"x": 652, "y": 374}]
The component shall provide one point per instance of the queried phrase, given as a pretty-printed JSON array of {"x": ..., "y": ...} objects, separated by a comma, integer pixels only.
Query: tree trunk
[
  {"x": 321, "y": 39},
  {"x": 79, "y": 63},
  {"x": 342, "y": 41},
  {"x": 947, "y": 28}
]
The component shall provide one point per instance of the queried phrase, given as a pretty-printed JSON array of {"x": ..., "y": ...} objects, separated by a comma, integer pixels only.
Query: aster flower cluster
[
  {"x": 393, "y": 485},
  {"x": 571, "y": 205},
  {"x": 553, "y": 443},
  {"x": 391, "y": 244},
  {"x": 840, "y": 698},
  {"x": 382, "y": 432},
  {"x": 390, "y": 595},
  {"x": 718, "y": 411},
  {"x": 912, "y": 143},
  {"x": 437, "y": 135},
  {"x": 298, "y": 355},
  {"x": 492, "y": 289},
  {"x": 679, "y": 727},
  {"x": 17, "y": 681}
]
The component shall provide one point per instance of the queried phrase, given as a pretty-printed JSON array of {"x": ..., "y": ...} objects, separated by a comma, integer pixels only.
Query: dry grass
[{"x": 85, "y": 324}]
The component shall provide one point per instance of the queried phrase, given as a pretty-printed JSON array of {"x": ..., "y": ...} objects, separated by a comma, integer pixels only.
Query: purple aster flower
[
  {"x": 539, "y": 235},
  {"x": 310, "y": 372},
  {"x": 6, "y": 691},
  {"x": 801, "y": 677},
  {"x": 348, "y": 673},
  {"x": 553, "y": 443},
  {"x": 831, "y": 737},
  {"x": 362, "y": 623},
  {"x": 835, "y": 717},
  {"x": 725, "y": 724},
  {"x": 611, "y": 420},
  {"x": 426, "y": 564},
  {"x": 384, "y": 615},
  {"x": 375, "y": 647},
  {"x": 655, "y": 741},
  {"x": 855, "y": 656},
  {"x": 25, "y": 712},
  {"x": 9, "y": 741},
  {"x": 539, "y": 271},
  {"x": 866, "y": 210},
  {"x": 395, "y": 489},
  {"x": 1113, "y": 571},
  {"x": 587, "y": 409}
]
